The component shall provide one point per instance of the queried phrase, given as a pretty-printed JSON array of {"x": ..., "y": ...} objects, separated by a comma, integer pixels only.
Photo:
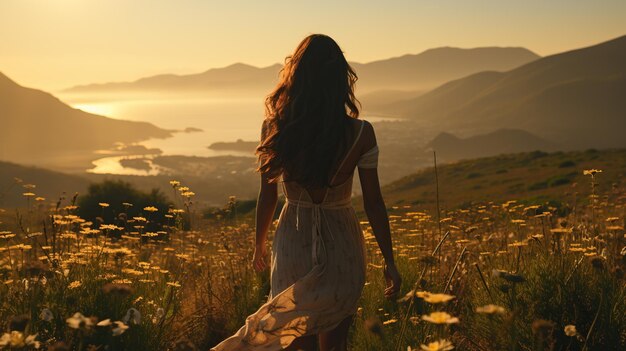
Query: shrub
[
  {"x": 568, "y": 163},
  {"x": 116, "y": 194}
]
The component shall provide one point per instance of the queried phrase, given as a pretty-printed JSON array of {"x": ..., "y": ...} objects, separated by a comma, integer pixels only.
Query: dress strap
[{"x": 358, "y": 136}]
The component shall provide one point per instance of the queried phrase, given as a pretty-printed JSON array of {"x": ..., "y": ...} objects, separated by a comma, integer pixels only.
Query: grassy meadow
[{"x": 515, "y": 252}]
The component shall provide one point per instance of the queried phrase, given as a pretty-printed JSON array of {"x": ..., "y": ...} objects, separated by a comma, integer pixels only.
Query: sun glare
[{"x": 98, "y": 109}]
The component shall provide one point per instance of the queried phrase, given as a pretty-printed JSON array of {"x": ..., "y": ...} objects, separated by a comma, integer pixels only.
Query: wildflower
[
  {"x": 174, "y": 183},
  {"x": 78, "y": 321},
  {"x": 28, "y": 194},
  {"x": 110, "y": 227},
  {"x": 16, "y": 339},
  {"x": 441, "y": 345},
  {"x": 391, "y": 321},
  {"x": 120, "y": 328},
  {"x": 46, "y": 315},
  {"x": 570, "y": 330},
  {"x": 440, "y": 318},
  {"x": 104, "y": 323},
  {"x": 422, "y": 294},
  {"x": 103, "y": 204},
  {"x": 174, "y": 284},
  {"x": 75, "y": 284},
  {"x": 591, "y": 172},
  {"x": 150, "y": 209},
  {"x": 561, "y": 230},
  {"x": 490, "y": 309},
  {"x": 438, "y": 298}
]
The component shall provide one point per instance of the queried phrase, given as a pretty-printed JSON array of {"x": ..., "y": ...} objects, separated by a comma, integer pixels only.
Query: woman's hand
[
  {"x": 258, "y": 260},
  {"x": 393, "y": 280}
]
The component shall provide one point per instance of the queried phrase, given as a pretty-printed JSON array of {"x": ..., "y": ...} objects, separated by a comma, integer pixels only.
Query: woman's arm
[
  {"x": 265, "y": 207},
  {"x": 376, "y": 212}
]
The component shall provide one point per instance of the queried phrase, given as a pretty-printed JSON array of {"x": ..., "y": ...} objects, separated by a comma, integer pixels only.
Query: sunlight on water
[
  {"x": 220, "y": 120},
  {"x": 102, "y": 109},
  {"x": 112, "y": 165}
]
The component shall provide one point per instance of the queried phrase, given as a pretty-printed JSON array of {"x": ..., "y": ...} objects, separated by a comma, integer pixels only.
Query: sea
[{"x": 219, "y": 119}]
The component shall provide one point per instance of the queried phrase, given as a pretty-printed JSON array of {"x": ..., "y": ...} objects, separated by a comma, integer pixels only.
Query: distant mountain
[
  {"x": 238, "y": 76},
  {"x": 575, "y": 98},
  {"x": 385, "y": 100},
  {"x": 503, "y": 141},
  {"x": 39, "y": 129},
  {"x": 422, "y": 71},
  {"x": 434, "y": 67}
]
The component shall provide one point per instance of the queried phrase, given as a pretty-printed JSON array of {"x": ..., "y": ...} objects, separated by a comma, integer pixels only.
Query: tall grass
[{"x": 506, "y": 276}]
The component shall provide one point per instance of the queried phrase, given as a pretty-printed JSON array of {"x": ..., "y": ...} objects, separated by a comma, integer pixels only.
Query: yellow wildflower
[
  {"x": 441, "y": 345},
  {"x": 440, "y": 318}
]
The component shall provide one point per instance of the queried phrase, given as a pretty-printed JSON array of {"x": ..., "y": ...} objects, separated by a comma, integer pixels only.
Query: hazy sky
[{"x": 53, "y": 44}]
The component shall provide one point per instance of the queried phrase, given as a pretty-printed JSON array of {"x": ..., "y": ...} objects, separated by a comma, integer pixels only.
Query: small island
[
  {"x": 136, "y": 163},
  {"x": 239, "y": 145}
]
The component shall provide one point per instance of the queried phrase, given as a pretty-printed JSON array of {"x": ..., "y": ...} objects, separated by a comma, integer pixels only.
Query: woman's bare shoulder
[{"x": 368, "y": 136}]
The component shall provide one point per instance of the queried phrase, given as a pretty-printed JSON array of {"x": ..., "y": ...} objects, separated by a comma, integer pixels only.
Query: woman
[{"x": 312, "y": 139}]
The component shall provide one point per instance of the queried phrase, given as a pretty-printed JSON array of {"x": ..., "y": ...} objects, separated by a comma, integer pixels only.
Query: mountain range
[
  {"x": 39, "y": 129},
  {"x": 576, "y": 98},
  {"x": 412, "y": 72}
]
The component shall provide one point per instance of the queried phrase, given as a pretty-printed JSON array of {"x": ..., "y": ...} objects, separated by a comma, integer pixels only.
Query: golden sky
[{"x": 54, "y": 44}]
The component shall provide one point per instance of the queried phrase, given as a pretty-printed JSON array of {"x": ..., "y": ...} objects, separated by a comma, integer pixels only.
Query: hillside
[
  {"x": 533, "y": 176},
  {"x": 39, "y": 129},
  {"x": 574, "y": 98},
  {"x": 502, "y": 141},
  {"x": 422, "y": 71},
  {"x": 49, "y": 184}
]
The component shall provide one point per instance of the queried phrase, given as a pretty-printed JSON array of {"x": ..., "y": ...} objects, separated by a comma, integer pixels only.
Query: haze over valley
[{"x": 462, "y": 103}]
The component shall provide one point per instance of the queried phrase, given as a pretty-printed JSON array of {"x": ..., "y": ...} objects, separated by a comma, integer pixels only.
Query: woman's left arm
[{"x": 265, "y": 208}]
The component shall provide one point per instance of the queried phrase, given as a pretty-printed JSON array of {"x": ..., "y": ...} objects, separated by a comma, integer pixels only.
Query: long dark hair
[{"x": 307, "y": 114}]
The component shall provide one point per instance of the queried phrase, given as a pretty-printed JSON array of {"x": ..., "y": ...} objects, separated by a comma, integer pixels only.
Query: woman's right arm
[
  {"x": 376, "y": 212},
  {"x": 266, "y": 206}
]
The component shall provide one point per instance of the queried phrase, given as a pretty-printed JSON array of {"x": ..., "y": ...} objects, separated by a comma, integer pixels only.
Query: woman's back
[{"x": 360, "y": 136}]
